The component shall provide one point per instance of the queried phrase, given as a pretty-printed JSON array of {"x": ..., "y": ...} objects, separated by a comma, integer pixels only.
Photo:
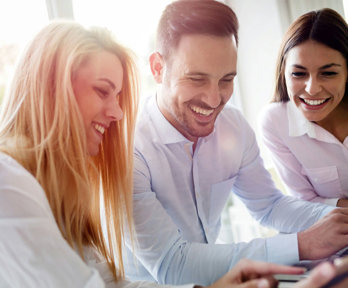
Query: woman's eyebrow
[
  {"x": 108, "y": 81},
  {"x": 330, "y": 65}
]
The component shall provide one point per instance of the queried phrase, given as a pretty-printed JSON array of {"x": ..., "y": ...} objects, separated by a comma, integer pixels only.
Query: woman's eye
[
  {"x": 329, "y": 73},
  {"x": 101, "y": 92},
  {"x": 298, "y": 74}
]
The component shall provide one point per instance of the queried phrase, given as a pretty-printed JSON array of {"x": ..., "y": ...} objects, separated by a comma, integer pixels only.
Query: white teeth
[
  {"x": 100, "y": 128},
  {"x": 202, "y": 111},
  {"x": 314, "y": 102}
]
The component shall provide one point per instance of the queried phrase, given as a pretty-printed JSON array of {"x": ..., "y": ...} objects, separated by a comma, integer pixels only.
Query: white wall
[{"x": 260, "y": 34}]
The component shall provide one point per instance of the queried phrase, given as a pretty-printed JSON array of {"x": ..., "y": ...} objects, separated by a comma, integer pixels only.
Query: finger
[
  {"x": 259, "y": 283},
  {"x": 318, "y": 277},
  {"x": 262, "y": 268},
  {"x": 338, "y": 215},
  {"x": 341, "y": 264},
  {"x": 343, "y": 210}
]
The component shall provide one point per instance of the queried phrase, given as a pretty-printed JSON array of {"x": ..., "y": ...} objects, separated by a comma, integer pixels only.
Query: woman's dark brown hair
[{"x": 324, "y": 26}]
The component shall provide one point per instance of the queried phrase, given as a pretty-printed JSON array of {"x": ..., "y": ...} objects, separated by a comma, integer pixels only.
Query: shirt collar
[{"x": 298, "y": 124}]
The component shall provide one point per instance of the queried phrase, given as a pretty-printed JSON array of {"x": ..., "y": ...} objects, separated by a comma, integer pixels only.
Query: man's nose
[{"x": 213, "y": 95}]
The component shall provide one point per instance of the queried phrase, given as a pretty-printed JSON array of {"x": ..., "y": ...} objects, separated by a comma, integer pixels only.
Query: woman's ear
[{"x": 156, "y": 64}]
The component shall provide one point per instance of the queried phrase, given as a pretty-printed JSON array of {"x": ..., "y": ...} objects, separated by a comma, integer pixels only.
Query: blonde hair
[{"x": 42, "y": 128}]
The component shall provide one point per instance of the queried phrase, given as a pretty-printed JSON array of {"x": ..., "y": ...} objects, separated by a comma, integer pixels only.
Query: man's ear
[{"x": 156, "y": 65}]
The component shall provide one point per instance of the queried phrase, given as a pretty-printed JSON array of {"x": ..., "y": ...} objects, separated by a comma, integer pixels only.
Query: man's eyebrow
[
  {"x": 193, "y": 73},
  {"x": 231, "y": 74},
  {"x": 108, "y": 81}
]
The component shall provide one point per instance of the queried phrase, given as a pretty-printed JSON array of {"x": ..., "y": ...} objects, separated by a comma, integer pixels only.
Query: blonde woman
[{"x": 66, "y": 128}]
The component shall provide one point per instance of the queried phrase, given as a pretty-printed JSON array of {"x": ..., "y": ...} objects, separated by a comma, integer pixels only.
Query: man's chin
[{"x": 199, "y": 133}]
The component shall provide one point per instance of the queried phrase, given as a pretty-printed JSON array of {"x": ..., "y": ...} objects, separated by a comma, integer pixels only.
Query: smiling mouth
[
  {"x": 99, "y": 128},
  {"x": 201, "y": 111},
  {"x": 314, "y": 102}
]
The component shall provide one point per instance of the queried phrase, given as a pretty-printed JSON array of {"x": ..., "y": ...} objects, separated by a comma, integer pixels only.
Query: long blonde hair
[{"x": 41, "y": 127}]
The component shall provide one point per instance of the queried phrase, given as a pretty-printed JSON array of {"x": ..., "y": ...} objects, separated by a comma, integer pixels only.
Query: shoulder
[
  {"x": 11, "y": 170},
  {"x": 273, "y": 114},
  {"x": 13, "y": 173},
  {"x": 18, "y": 188},
  {"x": 232, "y": 122},
  {"x": 146, "y": 110},
  {"x": 231, "y": 115}
]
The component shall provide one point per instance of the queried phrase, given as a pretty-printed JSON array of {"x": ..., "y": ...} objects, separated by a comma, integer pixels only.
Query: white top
[
  {"x": 33, "y": 252},
  {"x": 311, "y": 161},
  {"x": 179, "y": 196}
]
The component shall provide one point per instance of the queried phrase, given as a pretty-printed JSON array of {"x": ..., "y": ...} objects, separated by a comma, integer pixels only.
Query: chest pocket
[
  {"x": 219, "y": 194},
  {"x": 325, "y": 181}
]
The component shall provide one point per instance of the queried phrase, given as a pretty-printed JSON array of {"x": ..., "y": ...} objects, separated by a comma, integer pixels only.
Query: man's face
[{"x": 197, "y": 81}]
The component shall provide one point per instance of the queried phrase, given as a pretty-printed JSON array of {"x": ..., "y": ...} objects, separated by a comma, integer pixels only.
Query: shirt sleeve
[
  {"x": 255, "y": 187},
  {"x": 108, "y": 278},
  {"x": 143, "y": 284},
  {"x": 285, "y": 162}
]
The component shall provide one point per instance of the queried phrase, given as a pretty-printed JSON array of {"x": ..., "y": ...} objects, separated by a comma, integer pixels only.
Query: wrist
[{"x": 301, "y": 246}]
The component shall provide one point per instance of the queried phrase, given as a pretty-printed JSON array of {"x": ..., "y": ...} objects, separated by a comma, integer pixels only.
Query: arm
[
  {"x": 256, "y": 189},
  {"x": 171, "y": 259},
  {"x": 289, "y": 214}
]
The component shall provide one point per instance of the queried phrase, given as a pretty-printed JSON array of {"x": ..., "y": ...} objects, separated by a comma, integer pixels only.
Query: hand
[
  {"x": 342, "y": 203},
  {"x": 326, "y": 237},
  {"x": 319, "y": 276},
  {"x": 250, "y": 274},
  {"x": 325, "y": 272}
]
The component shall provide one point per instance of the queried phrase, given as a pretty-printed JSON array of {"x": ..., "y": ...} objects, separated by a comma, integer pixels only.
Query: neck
[{"x": 337, "y": 122}]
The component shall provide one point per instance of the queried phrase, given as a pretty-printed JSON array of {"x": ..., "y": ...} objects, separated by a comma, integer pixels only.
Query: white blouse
[
  {"x": 33, "y": 253},
  {"x": 312, "y": 162}
]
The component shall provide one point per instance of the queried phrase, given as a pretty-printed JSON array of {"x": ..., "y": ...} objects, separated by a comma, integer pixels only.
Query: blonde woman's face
[{"x": 97, "y": 86}]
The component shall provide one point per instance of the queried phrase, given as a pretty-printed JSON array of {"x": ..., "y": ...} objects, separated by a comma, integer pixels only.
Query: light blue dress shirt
[{"x": 179, "y": 197}]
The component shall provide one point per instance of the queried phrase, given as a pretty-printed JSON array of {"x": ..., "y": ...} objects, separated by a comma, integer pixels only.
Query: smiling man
[
  {"x": 197, "y": 82},
  {"x": 192, "y": 150}
]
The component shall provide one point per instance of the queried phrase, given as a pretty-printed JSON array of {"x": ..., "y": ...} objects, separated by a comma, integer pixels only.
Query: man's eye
[{"x": 196, "y": 79}]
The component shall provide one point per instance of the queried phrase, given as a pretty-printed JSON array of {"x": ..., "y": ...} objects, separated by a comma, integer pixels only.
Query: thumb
[{"x": 318, "y": 277}]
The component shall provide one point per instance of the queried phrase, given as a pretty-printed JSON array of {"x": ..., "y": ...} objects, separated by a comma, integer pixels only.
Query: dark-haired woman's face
[{"x": 316, "y": 77}]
